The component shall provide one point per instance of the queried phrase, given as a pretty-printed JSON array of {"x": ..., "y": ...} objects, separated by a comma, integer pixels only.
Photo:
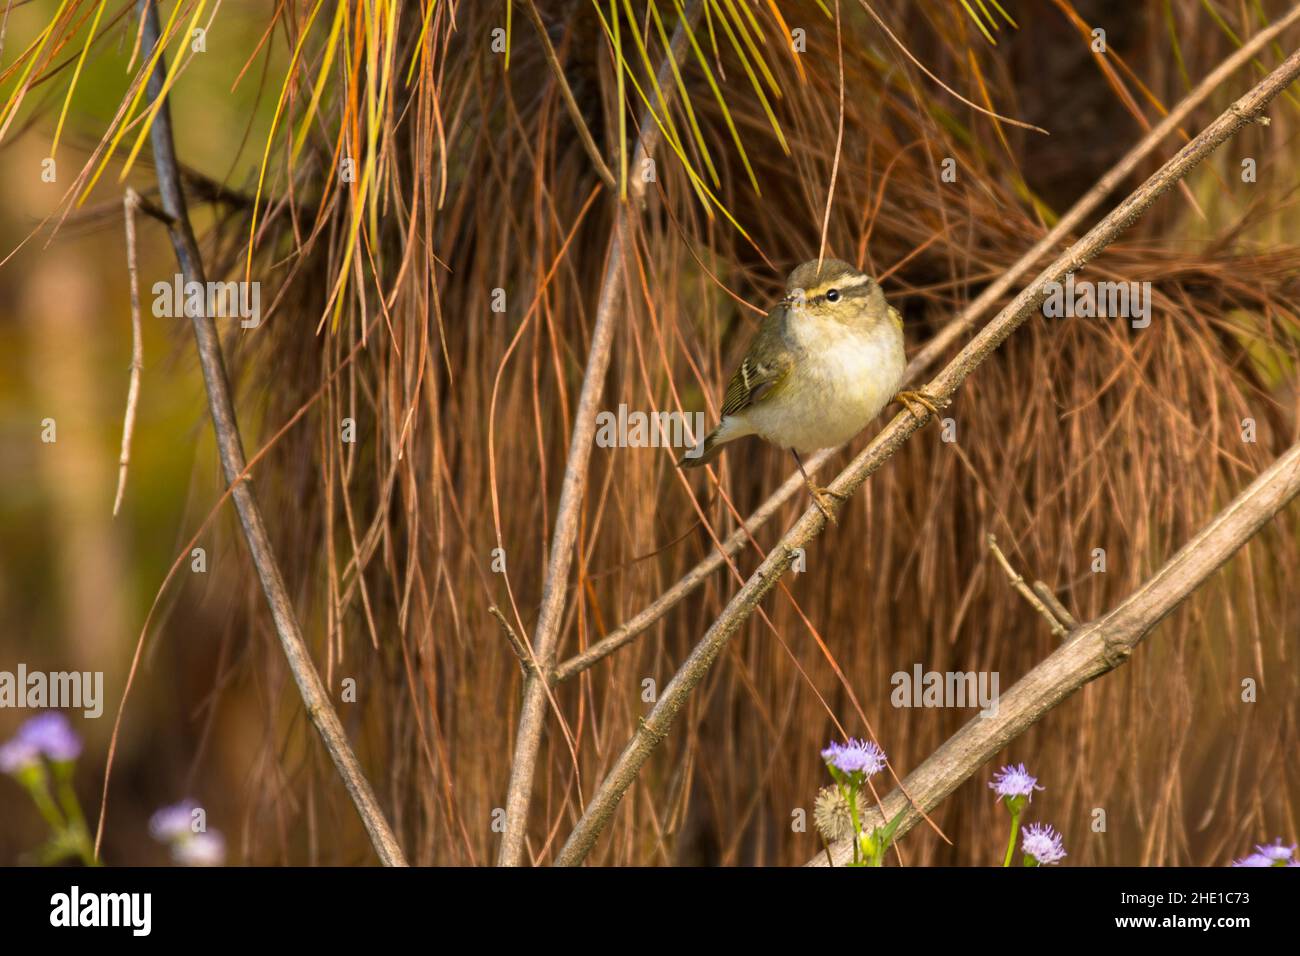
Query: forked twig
[
  {"x": 1023, "y": 589},
  {"x": 1059, "y": 610},
  {"x": 526, "y": 662}
]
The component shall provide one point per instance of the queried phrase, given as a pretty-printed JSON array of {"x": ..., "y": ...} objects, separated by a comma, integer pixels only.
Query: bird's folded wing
[{"x": 754, "y": 381}]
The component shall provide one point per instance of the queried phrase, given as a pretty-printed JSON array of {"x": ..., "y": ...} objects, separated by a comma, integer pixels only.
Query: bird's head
[{"x": 835, "y": 291}]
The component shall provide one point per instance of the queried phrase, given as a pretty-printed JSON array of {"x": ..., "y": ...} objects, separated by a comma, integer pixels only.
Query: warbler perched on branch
[{"x": 824, "y": 363}]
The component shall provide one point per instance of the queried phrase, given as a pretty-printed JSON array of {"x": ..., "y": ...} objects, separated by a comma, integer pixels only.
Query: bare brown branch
[{"x": 230, "y": 448}]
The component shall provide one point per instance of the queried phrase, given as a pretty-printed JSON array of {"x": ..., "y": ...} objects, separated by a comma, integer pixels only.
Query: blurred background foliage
[{"x": 376, "y": 303}]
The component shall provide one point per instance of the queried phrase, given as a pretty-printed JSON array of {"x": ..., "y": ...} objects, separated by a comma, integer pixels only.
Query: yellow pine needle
[
  {"x": 988, "y": 16},
  {"x": 978, "y": 22},
  {"x": 270, "y": 136},
  {"x": 789, "y": 40},
  {"x": 620, "y": 105},
  {"x": 754, "y": 24},
  {"x": 669, "y": 130},
  {"x": 372, "y": 105},
  {"x": 684, "y": 97},
  {"x": 707, "y": 199},
  {"x": 76, "y": 74},
  {"x": 142, "y": 84},
  {"x": 1006, "y": 16},
  {"x": 20, "y": 91},
  {"x": 652, "y": 73},
  {"x": 322, "y": 77},
  {"x": 722, "y": 103},
  {"x": 340, "y": 286},
  {"x": 753, "y": 79},
  {"x": 754, "y": 52},
  {"x": 172, "y": 72},
  {"x": 358, "y": 205},
  {"x": 419, "y": 43}
]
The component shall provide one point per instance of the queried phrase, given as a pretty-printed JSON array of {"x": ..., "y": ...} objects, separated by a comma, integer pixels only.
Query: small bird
[{"x": 823, "y": 364}]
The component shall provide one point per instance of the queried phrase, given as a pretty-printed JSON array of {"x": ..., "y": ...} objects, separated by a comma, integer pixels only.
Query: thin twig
[
  {"x": 1059, "y": 610},
  {"x": 1018, "y": 583},
  {"x": 654, "y": 727},
  {"x": 130, "y": 202},
  {"x": 930, "y": 353},
  {"x": 230, "y": 448},
  {"x": 1094, "y": 650},
  {"x": 532, "y": 712},
  {"x": 526, "y": 662},
  {"x": 570, "y": 104}
]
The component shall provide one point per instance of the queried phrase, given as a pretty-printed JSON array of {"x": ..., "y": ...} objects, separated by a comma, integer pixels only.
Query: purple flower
[
  {"x": 17, "y": 755},
  {"x": 174, "y": 822},
  {"x": 200, "y": 849},
  {"x": 1275, "y": 851},
  {"x": 51, "y": 734},
  {"x": 1014, "y": 782},
  {"x": 856, "y": 756},
  {"x": 1042, "y": 843},
  {"x": 1255, "y": 859}
]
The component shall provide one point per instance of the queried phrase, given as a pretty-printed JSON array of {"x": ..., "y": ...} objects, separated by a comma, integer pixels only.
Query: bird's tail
[{"x": 704, "y": 452}]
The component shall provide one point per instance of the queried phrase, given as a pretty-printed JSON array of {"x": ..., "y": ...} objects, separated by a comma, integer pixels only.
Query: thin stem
[
  {"x": 1011, "y": 844},
  {"x": 853, "y": 816},
  {"x": 130, "y": 203}
]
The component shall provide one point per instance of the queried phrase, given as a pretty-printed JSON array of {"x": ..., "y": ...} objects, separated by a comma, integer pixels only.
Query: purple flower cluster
[
  {"x": 1043, "y": 843},
  {"x": 49, "y": 735},
  {"x": 174, "y": 822},
  {"x": 1271, "y": 854},
  {"x": 1039, "y": 842},
  {"x": 855, "y": 756},
  {"x": 1014, "y": 782},
  {"x": 174, "y": 825}
]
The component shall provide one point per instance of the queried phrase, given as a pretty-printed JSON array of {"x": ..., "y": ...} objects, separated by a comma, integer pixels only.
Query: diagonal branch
[
  {"x": 654, "y": 727},
  {"x": 936, "y": 346},
  {"x": 1096, "y": 649},
  {"x": 532, "y": 713},
  {"x": 230, "y": 448}
]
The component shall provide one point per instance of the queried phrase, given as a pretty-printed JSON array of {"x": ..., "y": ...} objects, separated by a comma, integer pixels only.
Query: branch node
[
  {"x": 526, "y": 662},
  {"x": 1018, "y": 583}
]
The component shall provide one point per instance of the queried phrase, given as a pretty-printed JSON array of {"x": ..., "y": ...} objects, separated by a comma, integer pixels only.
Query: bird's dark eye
[{"x": 832, "y": 295}]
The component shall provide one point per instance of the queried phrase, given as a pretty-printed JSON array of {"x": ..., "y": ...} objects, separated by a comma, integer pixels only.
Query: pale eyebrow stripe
[{"x": 844, "y": 285}]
